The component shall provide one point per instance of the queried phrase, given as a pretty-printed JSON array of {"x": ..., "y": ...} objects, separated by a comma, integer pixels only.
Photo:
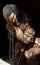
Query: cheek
[
  {"x": 10, "y": 18},
  {"x": 14, "y": 19}
]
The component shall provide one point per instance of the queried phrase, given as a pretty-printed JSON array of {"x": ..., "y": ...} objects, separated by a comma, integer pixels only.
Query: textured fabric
[{"x": 25, "y": 33}]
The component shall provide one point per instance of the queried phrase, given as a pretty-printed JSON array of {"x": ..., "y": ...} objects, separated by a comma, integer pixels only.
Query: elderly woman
[{"x": 20, "y": 23}]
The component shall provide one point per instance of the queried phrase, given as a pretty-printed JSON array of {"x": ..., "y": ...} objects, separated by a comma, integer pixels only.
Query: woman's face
[{"x": 12, "y": 18}]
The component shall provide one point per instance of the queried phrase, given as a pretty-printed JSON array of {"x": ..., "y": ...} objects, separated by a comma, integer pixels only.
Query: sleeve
[
  {"x": 27, "y": 36},
  {"x": 19, "y": 34}
]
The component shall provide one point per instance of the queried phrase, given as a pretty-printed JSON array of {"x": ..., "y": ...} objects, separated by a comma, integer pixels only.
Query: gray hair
[{"x": 8, "y": 9}]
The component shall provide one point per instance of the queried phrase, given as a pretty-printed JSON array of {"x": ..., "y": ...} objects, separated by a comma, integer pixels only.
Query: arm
[
  {"x": 33, "y": 51},
  {"x": 27, "y": 36}
]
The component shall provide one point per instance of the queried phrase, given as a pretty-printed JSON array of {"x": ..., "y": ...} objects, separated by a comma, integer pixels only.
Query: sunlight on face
[{"x": 12, "y": 17}]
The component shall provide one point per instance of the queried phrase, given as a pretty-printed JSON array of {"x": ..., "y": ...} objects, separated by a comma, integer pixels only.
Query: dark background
[{"x": 32, "y": 7}]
